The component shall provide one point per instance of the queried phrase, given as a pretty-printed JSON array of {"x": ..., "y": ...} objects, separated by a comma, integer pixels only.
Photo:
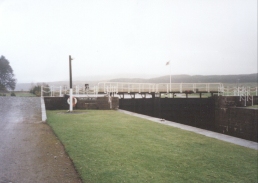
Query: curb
[{"x": 43, "y": 110}]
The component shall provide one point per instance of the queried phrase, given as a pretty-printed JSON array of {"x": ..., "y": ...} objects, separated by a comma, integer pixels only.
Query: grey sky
[{"x": 128, "y": 36}]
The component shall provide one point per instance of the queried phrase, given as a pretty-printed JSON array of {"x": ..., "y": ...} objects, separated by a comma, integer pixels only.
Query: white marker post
[
  {"x": 170, "y": 71},
  {"x": 71, "y": 85}
]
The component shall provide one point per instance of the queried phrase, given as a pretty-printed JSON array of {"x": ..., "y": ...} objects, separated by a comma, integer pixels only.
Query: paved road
[{"x": 29, "y": 151}]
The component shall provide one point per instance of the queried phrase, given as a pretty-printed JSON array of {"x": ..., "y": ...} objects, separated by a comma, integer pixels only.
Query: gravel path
[{"x": 29, "y": 150}]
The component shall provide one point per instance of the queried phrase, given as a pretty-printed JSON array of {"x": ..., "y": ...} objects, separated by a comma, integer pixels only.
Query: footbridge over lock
[
  {"x": 144, "y": 90},
  {"x": 151, "y": 90}
]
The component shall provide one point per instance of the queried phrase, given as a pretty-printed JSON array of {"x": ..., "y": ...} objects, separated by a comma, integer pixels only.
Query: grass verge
[
  {"x": 253, "y": 107},
  {"x": 24, "y": 94},
  {"x": 20, "y": 94},
  {"x": 108, "y": 146}
]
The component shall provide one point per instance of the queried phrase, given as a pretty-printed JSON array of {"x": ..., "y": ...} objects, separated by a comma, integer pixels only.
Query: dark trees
[
  {"x": 7, "y": 80},
  {"x": 36, "y": 89}
]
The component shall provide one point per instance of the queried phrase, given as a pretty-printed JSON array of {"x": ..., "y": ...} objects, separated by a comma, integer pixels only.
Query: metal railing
[
  {"x": 245, "y": 93},
  {"x": 120, "y": 87},
  {"x": 238, "y": 91},
  {"x": 59, "y": 91}
]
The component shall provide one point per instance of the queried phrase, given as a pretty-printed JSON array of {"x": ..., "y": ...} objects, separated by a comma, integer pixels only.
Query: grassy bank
[
  {"x": 108, "y": 146},
  {"x": 18, "y": 94},
  {"x": 24, "y": 94}
]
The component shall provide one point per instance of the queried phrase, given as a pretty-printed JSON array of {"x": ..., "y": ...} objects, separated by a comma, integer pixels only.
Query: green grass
[
  {"x": 21, "y": 94},
  {"x": 253, "y": 107},
  {"x": 24, "y": 94},
  {"x": 108, "y": 146}
]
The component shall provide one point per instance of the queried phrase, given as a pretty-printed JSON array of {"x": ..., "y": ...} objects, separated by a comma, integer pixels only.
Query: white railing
[
  {"x": 238, "y": 91},
  {"x": 245, "y": 95},
  {"x": 54, "y": 91},
  {"x": 45, "y": 90},
  {"x": 104, "y": 87},
  {"x": 254, "y": 90},
  {"x": 120, "y": 87}
]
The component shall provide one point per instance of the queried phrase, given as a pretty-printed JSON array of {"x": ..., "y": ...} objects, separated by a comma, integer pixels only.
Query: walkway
[
  {"x": 219, "y": 136},
  {"x": 29, "y": 151}
]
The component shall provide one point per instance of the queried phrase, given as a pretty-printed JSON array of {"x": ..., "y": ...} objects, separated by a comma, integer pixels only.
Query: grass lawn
[
  {"x": 21, "y": 94},
  {"x": 253, "y": 107},
  {"x": 110, "y": 147},
  {"x": 24, "y": 94}
]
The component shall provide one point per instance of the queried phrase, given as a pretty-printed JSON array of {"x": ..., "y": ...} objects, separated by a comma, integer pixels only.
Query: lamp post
[
  {"x": 71, "y": 84},
  {"x": 170, "y": 83},
  {"x": 237, "y": 87}
]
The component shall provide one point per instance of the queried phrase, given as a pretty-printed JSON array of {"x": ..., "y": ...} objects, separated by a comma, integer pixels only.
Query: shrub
[{"x": 36, "y": 90}]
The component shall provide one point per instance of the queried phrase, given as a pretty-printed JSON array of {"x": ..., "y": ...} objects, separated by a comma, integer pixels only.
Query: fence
[
  {"x": 244, "y": 93},
  {"x": 119, "y": 87},
  {"x": 55, "y": 91}
]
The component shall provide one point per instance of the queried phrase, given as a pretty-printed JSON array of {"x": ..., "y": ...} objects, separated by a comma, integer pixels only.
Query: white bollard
[
  {"x": 60, "y": 92},
  {"x": 71, "y": 100}
]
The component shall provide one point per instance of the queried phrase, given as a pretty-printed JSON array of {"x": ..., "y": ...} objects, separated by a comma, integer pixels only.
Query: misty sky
[{"x": 203, "y": 37}]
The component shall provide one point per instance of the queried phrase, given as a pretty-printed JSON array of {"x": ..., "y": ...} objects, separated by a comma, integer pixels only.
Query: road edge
[{"x": 43, "y": 110}]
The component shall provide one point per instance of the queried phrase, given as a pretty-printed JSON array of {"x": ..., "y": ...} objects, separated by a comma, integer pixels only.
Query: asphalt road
[{"x": 29, "y": 150}]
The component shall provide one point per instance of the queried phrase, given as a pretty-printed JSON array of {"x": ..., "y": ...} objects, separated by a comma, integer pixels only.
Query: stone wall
[
  {"x": 191, "y": 111},
  {"x": 237, "y": 122},
  {"x": 233, "y": 118},
  {"x": 56, "y": 103}
]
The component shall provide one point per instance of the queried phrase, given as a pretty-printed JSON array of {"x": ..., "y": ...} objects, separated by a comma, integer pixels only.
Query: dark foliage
[
  {"x": 36, "y": 89},
  {"x": 7, "y": 80},
  {"x": 13, "y": 94}
]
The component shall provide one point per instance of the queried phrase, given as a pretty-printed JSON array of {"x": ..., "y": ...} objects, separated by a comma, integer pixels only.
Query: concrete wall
[
  {"x": 220, "y": 114},
  {"x": 60, "y": 103}
]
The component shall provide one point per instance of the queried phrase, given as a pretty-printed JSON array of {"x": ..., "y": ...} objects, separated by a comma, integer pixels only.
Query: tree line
[{"x": 7, "y": 79}]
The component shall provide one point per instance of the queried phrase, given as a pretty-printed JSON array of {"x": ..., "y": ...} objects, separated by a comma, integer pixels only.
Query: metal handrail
[
  {"x": 160, "y": 87},
  {"x": 123, "y": 87}
]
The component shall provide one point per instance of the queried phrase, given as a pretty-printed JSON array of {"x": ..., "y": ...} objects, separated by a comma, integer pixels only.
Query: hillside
[{"x": 244, "y": 78}]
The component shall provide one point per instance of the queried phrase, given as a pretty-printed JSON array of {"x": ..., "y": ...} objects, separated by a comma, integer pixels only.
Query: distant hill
[{"x": 243, "y": 78}]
